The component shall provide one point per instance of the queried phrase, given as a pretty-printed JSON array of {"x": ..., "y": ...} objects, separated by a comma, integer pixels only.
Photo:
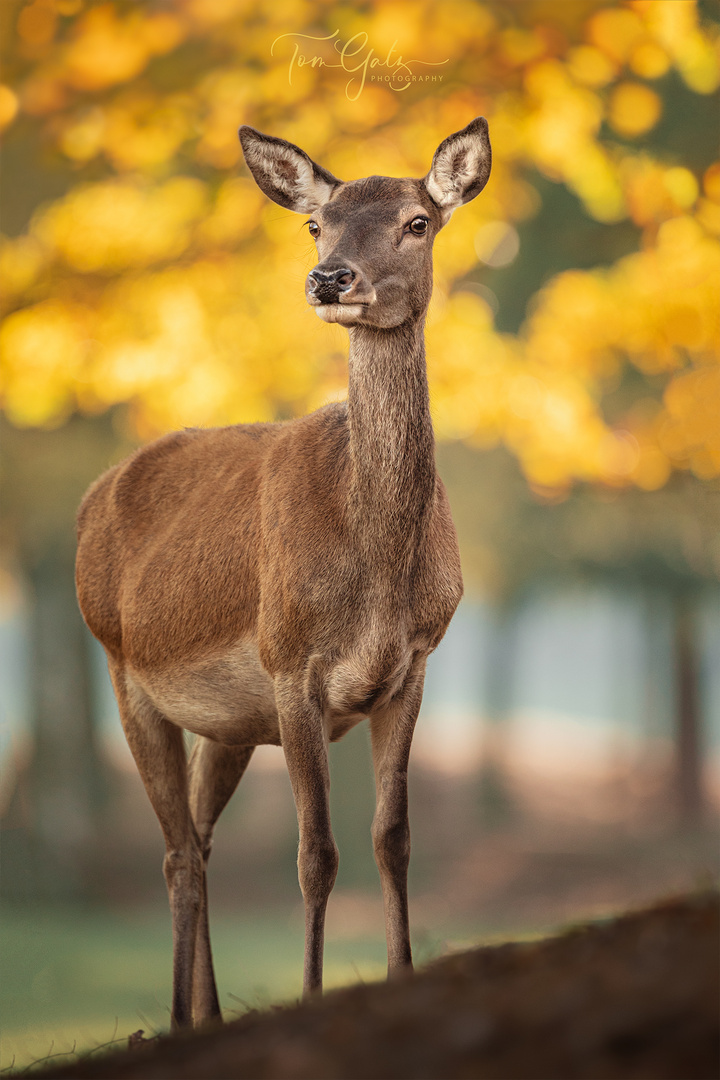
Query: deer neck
[{"x": 392, "y": 446}]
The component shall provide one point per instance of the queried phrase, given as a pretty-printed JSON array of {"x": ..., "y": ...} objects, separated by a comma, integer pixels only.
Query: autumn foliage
[{"x": 160, "y": 278}]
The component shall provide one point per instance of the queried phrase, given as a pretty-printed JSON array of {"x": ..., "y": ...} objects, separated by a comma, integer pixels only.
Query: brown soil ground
[{"x": 633, "y": 997}]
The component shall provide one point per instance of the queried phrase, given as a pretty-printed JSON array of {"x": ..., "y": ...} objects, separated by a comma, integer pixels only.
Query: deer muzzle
[{"x": 327, "y": 286}]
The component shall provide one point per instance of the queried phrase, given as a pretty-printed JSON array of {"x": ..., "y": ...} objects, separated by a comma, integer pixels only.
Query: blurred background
[{"x": 567, "y": 759}]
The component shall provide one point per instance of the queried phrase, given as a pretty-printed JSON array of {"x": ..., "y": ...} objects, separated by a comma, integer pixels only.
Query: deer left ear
[
  {"x": 285, "y": 172},
  {"x": 460, "y": 167}
]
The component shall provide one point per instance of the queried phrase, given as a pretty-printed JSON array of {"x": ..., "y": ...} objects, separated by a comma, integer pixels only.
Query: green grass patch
[{"x": 82, "y": 978}]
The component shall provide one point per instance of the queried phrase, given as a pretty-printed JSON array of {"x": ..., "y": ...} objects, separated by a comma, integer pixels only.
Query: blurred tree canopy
[
  {"x": 574, "y": 323},
  {"x": 142, "y": 267}
]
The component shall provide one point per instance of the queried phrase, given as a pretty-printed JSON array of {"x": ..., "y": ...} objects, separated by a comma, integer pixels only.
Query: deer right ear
[
  {"x": 460, "y": 167},
  {"x": 285, "y": 173}
]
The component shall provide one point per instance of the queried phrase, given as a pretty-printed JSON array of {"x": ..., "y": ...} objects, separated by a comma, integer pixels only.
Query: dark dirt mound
[{"x": 637, "y": 996}]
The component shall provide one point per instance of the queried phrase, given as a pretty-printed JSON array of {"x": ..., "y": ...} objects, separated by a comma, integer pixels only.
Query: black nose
[{"x": 326, "y": 285}]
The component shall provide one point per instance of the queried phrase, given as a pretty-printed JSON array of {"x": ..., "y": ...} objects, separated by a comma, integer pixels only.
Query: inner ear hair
[
  {"x": 285, "y": 173},
  {"x": 460, "y": 167}
]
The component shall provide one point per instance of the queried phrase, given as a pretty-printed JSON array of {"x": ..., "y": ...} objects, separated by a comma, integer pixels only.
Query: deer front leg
[
  {"x": 304, "y": 743},
  {"x": 391, "y": 732},
  {"x": 215, "y": 771}
]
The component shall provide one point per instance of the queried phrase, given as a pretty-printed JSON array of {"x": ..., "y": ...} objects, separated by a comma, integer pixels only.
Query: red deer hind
[{"x": 278, "y": 583}]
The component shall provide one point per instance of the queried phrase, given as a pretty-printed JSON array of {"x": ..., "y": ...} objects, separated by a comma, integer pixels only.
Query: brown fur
[{"x": 278, "y": 583}]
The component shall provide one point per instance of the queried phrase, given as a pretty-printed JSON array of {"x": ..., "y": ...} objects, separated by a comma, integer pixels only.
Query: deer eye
[
  {"x": 419, "y": 226},
  {"x": 313, "y": 229}
]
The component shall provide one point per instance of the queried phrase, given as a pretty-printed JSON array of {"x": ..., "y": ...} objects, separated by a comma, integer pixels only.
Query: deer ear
[
  {"x": 285, "y": 173},
  {"x": 460, "y": 167}
]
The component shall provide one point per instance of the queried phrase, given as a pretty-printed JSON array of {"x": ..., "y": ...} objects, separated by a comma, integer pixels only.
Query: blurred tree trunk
[
  {"x": 688, "y": 721},
  {"x": 497, "y": 805},
  {"x": 51, "y": 822},
  {"x": 66, "y": 776}
]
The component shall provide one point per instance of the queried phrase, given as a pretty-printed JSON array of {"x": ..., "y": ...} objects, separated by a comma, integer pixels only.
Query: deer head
[{"x": 374, "y": 236}]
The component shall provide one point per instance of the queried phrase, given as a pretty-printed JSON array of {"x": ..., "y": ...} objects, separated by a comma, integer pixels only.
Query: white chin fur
[{"x": 339, "y": 312}]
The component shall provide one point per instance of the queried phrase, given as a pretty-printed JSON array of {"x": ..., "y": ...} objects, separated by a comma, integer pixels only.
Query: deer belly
[{"x": 229, "y": 698}]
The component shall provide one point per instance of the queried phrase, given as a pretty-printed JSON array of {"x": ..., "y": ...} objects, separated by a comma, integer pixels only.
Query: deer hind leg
[
  {"x": 304, "y": 743},
  {"x": 215, "y": 771},
  {"x": 159, "y": 752},
  {"x": 391, "y": 733}
]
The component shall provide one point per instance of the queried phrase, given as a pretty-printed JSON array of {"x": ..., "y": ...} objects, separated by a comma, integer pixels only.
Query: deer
[{"x": 279, "y": 583}]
